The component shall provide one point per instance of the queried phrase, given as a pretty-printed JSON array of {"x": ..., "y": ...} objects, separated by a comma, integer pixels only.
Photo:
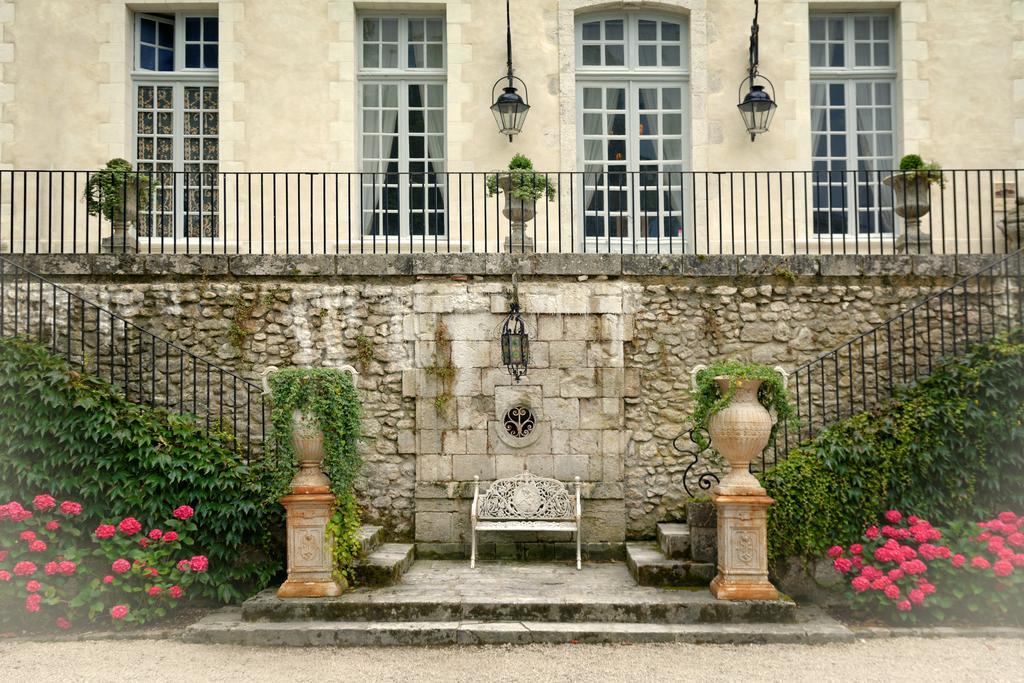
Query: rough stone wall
[
  {"x": 613, "y": 341},
  {"x": 680, "y": 325}
]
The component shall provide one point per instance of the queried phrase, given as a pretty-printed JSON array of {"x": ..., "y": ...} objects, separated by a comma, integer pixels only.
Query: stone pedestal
[
  {"x": 742, "y": 548},
  {"x": 309, "y": 547},
  {"x": 518, "y": 242},
  {"x": 122, "y": 239}
]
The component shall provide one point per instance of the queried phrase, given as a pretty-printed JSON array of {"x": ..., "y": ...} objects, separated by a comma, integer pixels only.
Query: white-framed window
[
  {"x": 853, "y": 122},
  {"x": 402, "y": 123},
  {"x": 632, "y": 101},
  {"x": 176, "y": 123}
]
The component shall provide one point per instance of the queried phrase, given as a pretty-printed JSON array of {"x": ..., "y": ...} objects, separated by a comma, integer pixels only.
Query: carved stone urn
[
  {"x": 739, "y": 432},
  {"x": 519, "y": 212},
  {"x": 308, "y": 443},
  {"x": 912, "y": 199}
]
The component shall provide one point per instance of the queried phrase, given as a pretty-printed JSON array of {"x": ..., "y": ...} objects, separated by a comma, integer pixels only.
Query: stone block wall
[{"x": 613, "y": 339}]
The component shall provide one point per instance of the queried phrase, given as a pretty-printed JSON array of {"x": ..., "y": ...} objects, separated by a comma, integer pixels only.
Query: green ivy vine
[
  {"x": 708, "y": 399},
  {"x": 330, "y": 396}
]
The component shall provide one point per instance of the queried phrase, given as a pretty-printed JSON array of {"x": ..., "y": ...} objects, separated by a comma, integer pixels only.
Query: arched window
[{"x": 632, "y": 94}]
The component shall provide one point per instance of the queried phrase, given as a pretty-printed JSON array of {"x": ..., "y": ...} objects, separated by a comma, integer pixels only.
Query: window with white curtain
[
  {"x": 402, "y": 124},
  {"x": 853, "y": 122},
  {"x": 632, "y": 94},
  {"x": 176, "y": 124}
]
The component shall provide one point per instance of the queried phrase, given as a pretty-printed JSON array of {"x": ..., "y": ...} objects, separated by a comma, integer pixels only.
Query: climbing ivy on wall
[
  {"x": 949, "y": 447},
  {"x": 330, "y": 396}
]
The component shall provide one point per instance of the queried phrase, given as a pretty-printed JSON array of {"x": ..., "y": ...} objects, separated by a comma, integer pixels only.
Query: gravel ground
[{"x": 903, "y": 659}]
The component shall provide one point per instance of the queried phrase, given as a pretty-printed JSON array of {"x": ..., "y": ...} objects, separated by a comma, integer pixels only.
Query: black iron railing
[
  {"x": 866, "y": 370},
  {"x": 148, "y": 369},
  {"x": 605, "y": 210}
]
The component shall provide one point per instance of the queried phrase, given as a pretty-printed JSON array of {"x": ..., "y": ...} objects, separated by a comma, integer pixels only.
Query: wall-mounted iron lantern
[
  {"x": 509, "y": 108},
  {"x": 758, "y": 106},
  {"x": 515, "y": 342}
]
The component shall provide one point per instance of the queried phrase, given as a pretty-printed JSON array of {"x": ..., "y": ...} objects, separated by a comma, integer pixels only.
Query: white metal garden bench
[{"x": 525, "y": 503}]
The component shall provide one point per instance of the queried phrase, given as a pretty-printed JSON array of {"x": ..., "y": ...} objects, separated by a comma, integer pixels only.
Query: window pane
[
  {"x": 371, "y": 56},
  {"x": 862, "y": 28},
  {"x": 817, "y": 29},
  {"x": 166, "y": 60},
  {"x": 210, "y": 29},
  {"x": 614, "y": 55},
  {"x": 862, "y": 54},
  {"x": 371, "y": 30},
  {"x": 147, "y": 58},
  {"x": 416, "y": 56},
  {"x": 836, "y": 57},
  {"x": 818, "y": 54},
  {"x": 671, "y": 98},
  {"x": 881, "y": 28},
  {"x": 672, "y": 124},
  {"x": 613, "y": 30},
  {"x": 648, "y": 55},
  {"x": 435, "y": 30},
  {"x": 648, "y": 98},
  {"x": 591, "y": 98},
  {"x": 192, "y": 56},
  {"x": 210, "y": 56},
  {"x": 648, "y": 30},
  {"x": 417, "y": 30},
  {"x": 166, "y": 33},
  {"x": 147, "y": 31},
  {"x": 881, "y": 54},
  {"x": 670, "y": 55},
  {"x": 835, "y": 29},
  {"x": 389, "y": 30},
  {"x": 435, "y": 57},
  {"x": 592, "y": 55},
  {"x": 435, "y": 96},
  {"x": 389, "y": 59},
  {"x": 592, "y": 30},
  {"x": 193, "y": 28},
  {"x": 669, "y": 31}
]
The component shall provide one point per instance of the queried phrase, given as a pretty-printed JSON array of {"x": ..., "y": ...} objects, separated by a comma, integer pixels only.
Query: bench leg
[
  {"x": 579, "y": 564},
  {"x": 472, "y": 552}
]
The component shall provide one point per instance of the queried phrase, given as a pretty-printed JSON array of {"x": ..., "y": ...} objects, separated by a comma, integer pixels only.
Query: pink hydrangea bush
[
  {"x": 905, "y": 566},
  {"x": 55, "y": 574}
]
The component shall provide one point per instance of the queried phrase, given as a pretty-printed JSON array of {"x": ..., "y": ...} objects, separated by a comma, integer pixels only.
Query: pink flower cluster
[
  {"x": 896, "y": 557},
  {"x": 894, "y": 568},
  {"x": 36, "y": 540},
  {"x": 1003, "y": 540},
  {"x": 198, "y": 563}
]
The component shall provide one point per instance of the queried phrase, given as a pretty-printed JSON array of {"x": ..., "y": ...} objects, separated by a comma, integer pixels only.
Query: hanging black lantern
[
  {"x": 515, "y": 342},
  {"x": 758, "y": 106},
  {"x": 509, "y": 108}
]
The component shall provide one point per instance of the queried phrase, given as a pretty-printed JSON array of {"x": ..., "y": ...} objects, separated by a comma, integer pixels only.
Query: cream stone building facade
[{"x": 287, "y": 88}]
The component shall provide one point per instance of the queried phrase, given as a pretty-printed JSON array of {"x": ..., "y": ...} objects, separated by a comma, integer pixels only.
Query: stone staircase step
[
  {"x": 649, "y": 567},
  {"x": 228, "y": 627},
  {"x": 674, "y": 540},
  {"x": 673, "y": 607},
  {"x": 385, "y": 565},
  {"x": 370, "y": 538}
]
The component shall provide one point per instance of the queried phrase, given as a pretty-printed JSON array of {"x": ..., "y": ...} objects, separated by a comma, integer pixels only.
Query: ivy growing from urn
[
  {"x": 708, "y": 399},
  {"x": 329, "y": 396}
]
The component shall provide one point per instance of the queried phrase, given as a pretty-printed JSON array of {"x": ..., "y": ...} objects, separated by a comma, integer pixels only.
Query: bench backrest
[{"x": 526, "y": 496}]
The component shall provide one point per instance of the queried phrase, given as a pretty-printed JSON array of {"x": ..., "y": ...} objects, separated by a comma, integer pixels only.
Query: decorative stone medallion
[{"x": 518, "y": 421}]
